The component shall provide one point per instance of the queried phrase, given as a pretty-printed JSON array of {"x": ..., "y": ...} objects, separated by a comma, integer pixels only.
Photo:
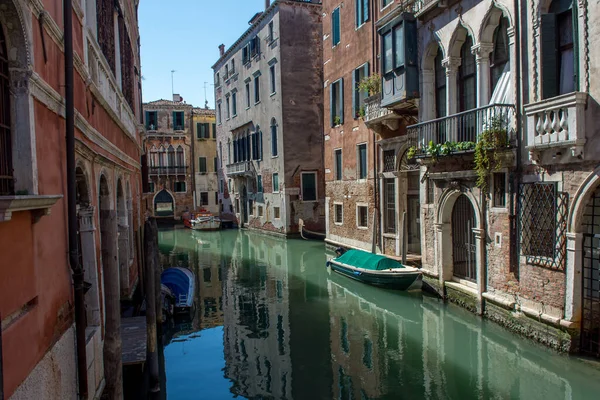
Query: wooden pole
[
  {"x": 151, "y": 251},
  {"x": 157, "y": 271},
  {"x": 113, "y": 364},
  {"x": 404, "y": 237}
]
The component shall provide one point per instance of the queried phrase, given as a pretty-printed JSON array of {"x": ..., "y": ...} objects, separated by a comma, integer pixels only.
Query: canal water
[{"x": 271, "y": 322}]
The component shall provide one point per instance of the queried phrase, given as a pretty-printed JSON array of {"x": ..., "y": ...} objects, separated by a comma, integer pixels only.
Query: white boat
[{"x": 206, "y": 223}]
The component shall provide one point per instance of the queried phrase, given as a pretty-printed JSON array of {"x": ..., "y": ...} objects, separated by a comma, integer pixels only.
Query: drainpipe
[
  {"x": 193, "y": 161},
  {"x": 516, "y": 178},
  {"x": 374, "y": 41},
  {"x": 71, "y": 201}
]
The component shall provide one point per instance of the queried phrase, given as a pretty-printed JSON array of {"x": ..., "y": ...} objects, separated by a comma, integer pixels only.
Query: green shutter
[
  {"x": 214, "y": 127},
  {"x": 335, "y": 26},
  {"x": 549, "y": 59},
  {"x": 331, "y": 111},
  {"x": 341, "y": 100},
  {"x": 174, "y": 119},
  {"x": 365, "y": 4},
  {"x": 358, "y": 12},
  {"x": 198, "y": 134},
  {"x": 355, "y": 96}
]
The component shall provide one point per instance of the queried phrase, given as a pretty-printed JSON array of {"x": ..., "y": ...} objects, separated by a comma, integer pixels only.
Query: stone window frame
[
  {"x": 335, "y": 213},
  {"x": 358, "y": 178},
  {"x": 276, "y": 212},
  {"x": 503, "y": 209},
  {"x": 362, "y": 205}
]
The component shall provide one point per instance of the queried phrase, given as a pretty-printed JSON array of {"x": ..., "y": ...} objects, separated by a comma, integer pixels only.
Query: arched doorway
[
  {"x": 110, "y": 269},
  {"x": 590, "y": 322},
  {"x": 164, "y": 205},
  {"x": 463, "y": 239}
]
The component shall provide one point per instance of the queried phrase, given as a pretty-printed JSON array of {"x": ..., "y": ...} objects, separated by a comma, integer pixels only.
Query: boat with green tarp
[{"x": 376, "y": 269}]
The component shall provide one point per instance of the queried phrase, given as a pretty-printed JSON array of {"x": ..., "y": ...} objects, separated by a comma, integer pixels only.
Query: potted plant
[
  {"x": 492, "y": 138},
  {"x": 370, "y": 84}
]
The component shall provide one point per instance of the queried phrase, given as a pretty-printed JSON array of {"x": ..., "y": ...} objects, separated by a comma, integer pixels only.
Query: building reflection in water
[{"x": 290, "y": 329}]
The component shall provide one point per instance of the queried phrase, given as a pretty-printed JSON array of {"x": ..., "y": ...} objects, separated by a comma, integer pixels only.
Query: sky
[{"x": 184, "y": 35}]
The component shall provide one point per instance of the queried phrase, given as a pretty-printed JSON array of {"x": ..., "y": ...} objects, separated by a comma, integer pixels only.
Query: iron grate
[
  {"x": 543, "y": 224},
  {"x": 389, "y": 161}
]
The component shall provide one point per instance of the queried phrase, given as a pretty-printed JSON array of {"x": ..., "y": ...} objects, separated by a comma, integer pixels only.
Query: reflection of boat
[
  {"x": 308, "y": 234},
  {"x": 376, "y": 270},
  {"x": 168, "y": 301},
  {"x": 181, "y": 282}
]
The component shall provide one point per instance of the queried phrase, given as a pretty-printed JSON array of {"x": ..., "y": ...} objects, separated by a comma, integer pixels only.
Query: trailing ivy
[{"x": 491, "y": 139}]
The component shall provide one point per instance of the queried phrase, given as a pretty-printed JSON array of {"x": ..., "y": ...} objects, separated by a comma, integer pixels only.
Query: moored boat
[
  {"x": 181, "y": 283},
  {"x": 202, "y": 221},
  {"x": 308, "y": 234},
  {"x": 377, "y": 270}
]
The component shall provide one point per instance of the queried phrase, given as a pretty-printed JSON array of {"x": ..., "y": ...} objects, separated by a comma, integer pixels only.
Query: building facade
[
  {"x": 206, "y": 189},
  {"x": 268, "y": 90},
  {"x": 169, "y": 147},
  {"x": 39, "y": 356},
  {"x": 497, "y": 181}
]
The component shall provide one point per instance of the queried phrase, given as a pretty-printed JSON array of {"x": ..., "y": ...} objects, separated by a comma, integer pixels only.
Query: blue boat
[{"x": 182, "y": 284}]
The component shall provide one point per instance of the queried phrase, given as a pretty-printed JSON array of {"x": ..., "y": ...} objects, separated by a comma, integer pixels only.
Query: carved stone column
[
  {"x": 573, "y": 271},
  {"x": 482, "y": 58},
  {"x": 451, "y": 64}
]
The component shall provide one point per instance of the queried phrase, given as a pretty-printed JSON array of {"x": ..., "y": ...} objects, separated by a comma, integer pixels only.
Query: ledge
[{"x": 38, "y": 205}]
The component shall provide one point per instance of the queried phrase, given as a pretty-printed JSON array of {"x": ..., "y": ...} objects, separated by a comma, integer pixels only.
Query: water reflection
[{"x": 272, "y": 322}]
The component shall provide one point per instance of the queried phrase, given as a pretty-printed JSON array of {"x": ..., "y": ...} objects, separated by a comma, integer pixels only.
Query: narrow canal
[{"x": 272, "y": 323}]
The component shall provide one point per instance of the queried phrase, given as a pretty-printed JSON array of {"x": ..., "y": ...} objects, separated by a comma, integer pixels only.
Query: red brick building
[{"x": 36, "y": 295}]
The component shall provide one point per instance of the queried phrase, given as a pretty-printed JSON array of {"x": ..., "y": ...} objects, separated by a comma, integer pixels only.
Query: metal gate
[
  {"x": 463, "y": 240},
  {"x": 590, "y": 323}
]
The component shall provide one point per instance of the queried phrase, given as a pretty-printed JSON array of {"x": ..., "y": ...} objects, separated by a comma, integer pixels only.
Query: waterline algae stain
[{"x": 270, "y": 321}]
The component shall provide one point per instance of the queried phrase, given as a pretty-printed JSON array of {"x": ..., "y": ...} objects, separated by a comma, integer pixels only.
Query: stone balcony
[
  {"x": 556, "y": 124},
  {"x": 170, "y": 170},
  {"x": 380, "y": 118},
  {"x": 243, "y": 168}
]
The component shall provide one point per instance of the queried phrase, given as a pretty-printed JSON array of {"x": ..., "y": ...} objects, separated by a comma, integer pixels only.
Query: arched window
[
  {"x": 558, "y": 36},
  {"x": 248, "y": 146},
  {"x": 499, "y": 56},
  {"x": 440, "y": 85},
  {"x": 467, "y": 82},
  {"x": 273, "y": 137},
  {"x": 180, "y": 158},
  {"x": 171, "y": 156},
  {"x": 153, "y": 157},
  {"x": 161, "y": 157},
  {"x": 6, "y": 169}
]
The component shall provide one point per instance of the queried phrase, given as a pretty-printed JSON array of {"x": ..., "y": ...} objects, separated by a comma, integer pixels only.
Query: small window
[
  {"x": 202, "y": 130},
  {"x": 206, "y": 274},
  {"x": 260, "y": 211},
  {"x": 178, "y": 120},
  {"x": 362, "y": 216},
  {"x": 216, "y": 164},
  {"x": 248, "y": 95},
  {"x": 151, "y": 120},
  {"x": 276, "y": 212},
  {"x": 219, "y": 113},
  {"x": 202, "y": 164},
  {"x": 227, "y": 107},
  {"x": 362, "y": 161},
  {"x": 389, "y": 205},
  {"x": 388, "y": 52},
  {"x": 499, "y": 196},
  {"x": 338, "y": 213},
  {"x": 271, "y": 33},
  {"x": 221, "y": 186},
  {"x": 214, "y": 129},
  {"x": 234, "y": 103},
  {"x": 272, "y": 76},
  {"x": 232, "y": 67},
  {"x": 216, "y": 198},
  {"x": 259, "y": 185},
  {"x": 309, "y": 186},
  {"x": 273, "y": 138},
  {"x": 203, "y": 198},
  {"x": 336, "y": 102},
  {"x": 335, "y": 27},
  {"x": 180, "y": 187},
  {"x": 338, "y": 165},
  {"x": 275, "y": 183},
  {"x": 362, "y": 12},
  {"x": 251, "y": 207},
  {"x": 245, "y": 54},
  {"x": 256, "y": 89}
]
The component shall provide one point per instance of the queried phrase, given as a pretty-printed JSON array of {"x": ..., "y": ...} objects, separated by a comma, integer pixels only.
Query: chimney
[
  {"x": 222, "y": 50},
  {"x": 267, "y": 4},
  {"x": 177, "y": 98}
]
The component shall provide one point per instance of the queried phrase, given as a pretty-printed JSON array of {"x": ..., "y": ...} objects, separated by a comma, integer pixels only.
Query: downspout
[
  {"x": 193, "y": 161},
  {"x": 377, "y": 236},
  {"x": 71, "y": 201},
  {"x": 516, "y": 178}
]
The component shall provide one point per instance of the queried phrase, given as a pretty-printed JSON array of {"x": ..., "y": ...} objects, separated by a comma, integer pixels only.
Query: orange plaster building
[{"x": 39, "y": 356}]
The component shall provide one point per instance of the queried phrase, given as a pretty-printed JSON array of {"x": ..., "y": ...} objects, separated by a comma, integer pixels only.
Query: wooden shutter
[
  {"x": 206, "y": 130},
  {"x": 335, "y": 26},
  {"x": 198, "y": 132},
  {"x": 341, "y": 100},
  {"x": 365, "y": 4},
  {"x": 214, "y": 126},
  {"x": 331, "y": 111},
  {"x": 355, "y": 96},
  {"x": 549, "y": 59}
]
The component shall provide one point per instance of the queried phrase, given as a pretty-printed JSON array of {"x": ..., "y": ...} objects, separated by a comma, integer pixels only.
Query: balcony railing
[
  {"x": 373, "y": 109},
  {"x": 557, "y": 122},
  {"x": 465, "y": 127},
  {"x": 174, "y": 170},
  {"x": 240, "y": 168}
]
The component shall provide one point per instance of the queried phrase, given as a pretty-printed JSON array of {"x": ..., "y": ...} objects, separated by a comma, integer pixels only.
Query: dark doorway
[
  {"x": 244, "y": 205},
  {"x": 164, "y": 206},
  {"x": 590, "y": 323},
  {"x": 463, "y": 240}
]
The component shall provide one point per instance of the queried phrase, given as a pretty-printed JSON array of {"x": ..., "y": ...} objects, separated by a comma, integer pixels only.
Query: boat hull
[
  {"x": 181, "y": 282},
  {"x": 393, "y": 279},
  {"x": 206, "y": 224}
]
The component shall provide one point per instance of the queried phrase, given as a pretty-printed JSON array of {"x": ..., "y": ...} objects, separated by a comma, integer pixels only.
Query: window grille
[
  {"x": 543, "y": 224},
  {"x": 390, "y": 205},
  {"x": 389, "y": 161}
]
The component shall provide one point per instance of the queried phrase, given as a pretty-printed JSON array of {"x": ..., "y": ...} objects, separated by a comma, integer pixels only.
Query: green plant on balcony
[
  {"x": 491, "y": 139},
  {"x": 361, "y": 113},
  {"x": 337, "y": 120},
  {"x": 370, "y": 84}
]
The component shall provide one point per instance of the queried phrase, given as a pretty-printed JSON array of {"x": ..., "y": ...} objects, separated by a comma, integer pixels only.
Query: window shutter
[
  {"x": 410, "y": 43},
  {"x": 549, "y": 61},
  {"x": 358, "y": 11},
  {"x": 335, "y": 23},
  {"x": 206, "y": 131},
  {"x": 214, "y": 126},
  {"x": 260, "y": 145},
  {"x": 365, "y": 4},
  {"x": 147, "y": 115},
  {"x": 331, "y": 111},
  {"x": 574, "y": 14},
  {"x": 198, "y": 133},
  {"x": 341, "y": 100},
  {"x": 174, "y": 119},
  {"x": 355, "y": 96}
]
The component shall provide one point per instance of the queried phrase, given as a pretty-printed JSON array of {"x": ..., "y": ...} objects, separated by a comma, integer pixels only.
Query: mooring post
[
  {"x": 151, "y": 251},
  {"x": 404, "y": 237}
]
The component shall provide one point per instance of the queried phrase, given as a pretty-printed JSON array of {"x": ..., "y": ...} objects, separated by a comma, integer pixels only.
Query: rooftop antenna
[
  {"x": 205, "y": 98},
  {"x": 172, "y": 86}
]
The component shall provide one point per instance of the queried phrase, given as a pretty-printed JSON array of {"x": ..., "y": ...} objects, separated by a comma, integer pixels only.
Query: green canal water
[{"x": 271, "y": 322}]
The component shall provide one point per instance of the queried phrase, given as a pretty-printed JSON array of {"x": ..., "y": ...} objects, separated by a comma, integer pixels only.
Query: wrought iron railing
[
  {"x": 174, "y": 170},
  {"x": 465, "y": 127}
]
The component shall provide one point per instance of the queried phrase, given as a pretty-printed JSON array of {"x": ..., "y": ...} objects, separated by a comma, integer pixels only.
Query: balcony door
[{"x": 467, "y": 93}]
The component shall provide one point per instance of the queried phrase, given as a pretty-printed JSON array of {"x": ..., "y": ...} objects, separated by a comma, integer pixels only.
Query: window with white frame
[
  {"x": 275, "y": 183},
  {"x": 361, "y": 150},
  {"x": 309, "y": 186},
  {"x": 338, "y": 164},
  {"x": 362, "y": 215},
  {"x": 336, "y": 102},
  {"x": 338, "y": 213},
  {"x": 362, "y": 11},
  {"x": 276, "y": 213}
]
